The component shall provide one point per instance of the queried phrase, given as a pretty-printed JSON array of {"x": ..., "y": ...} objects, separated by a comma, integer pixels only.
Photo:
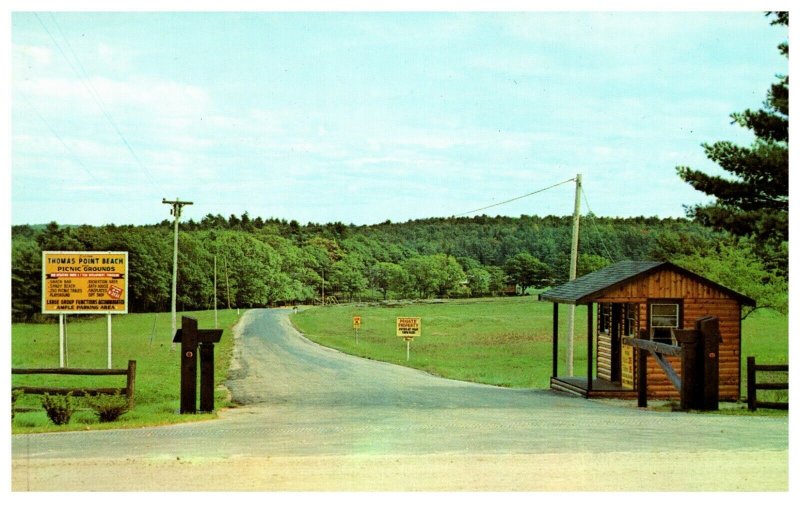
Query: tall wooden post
[
  {"x": 573, "y": 272},
  {"x": 691, "y": 377},
  {"x": 188, "y": 365},
  {"x": 709, "y": 330},
  {"x": 641, "y": 377},
  {"x": 589, "y": 347},
  {"x": 206, "y": 377},
  {"x": 555, "y": 340}
]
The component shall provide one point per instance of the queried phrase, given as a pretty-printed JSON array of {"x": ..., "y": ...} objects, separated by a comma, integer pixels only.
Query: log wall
[{"x": 698, "y": 300}]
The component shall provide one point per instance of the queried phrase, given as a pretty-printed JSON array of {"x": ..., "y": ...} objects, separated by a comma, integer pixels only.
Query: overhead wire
[
  {"x": 55, "y": 133},
  {"x": 515, "y": 199},
  {"x": 84, "y": 79},
  {"x": 591, "y": 216}
]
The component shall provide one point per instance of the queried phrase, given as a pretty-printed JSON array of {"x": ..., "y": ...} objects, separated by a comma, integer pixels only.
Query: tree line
[{"x": 274, "y": 262}]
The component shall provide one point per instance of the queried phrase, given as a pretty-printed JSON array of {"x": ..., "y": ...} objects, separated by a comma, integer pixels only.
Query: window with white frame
[{"x": 664, "y": 316}]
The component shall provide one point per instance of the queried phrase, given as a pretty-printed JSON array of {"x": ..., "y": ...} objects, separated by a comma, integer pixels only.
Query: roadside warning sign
[
  {"x": 408, "y": 327},
  {"x": 356, "y": 322},
  {"x": 84, "y": 282}
]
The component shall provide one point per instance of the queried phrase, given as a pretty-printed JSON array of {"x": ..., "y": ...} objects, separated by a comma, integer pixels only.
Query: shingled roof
[{"x": 583, "y": 289}]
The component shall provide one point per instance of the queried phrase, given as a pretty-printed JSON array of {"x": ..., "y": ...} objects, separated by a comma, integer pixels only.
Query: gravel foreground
[{"x": 732, "y": 471}]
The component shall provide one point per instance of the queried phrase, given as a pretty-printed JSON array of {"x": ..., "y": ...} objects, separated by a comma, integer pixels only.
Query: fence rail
[
  {"x": 753, "y": 386},
  {"x": 127, "y": 391}
]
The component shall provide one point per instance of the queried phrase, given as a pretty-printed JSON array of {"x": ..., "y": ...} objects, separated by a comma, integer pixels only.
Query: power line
[
  {"x": 67, "y": 147},
  {"x": 591, "y": 216},
  {"x": 84, "y": 79},
  {"x": 515, "y": 199}
]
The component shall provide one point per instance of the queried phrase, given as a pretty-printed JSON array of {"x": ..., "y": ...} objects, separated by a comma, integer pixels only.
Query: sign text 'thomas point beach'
[{"x": 84, "y": 282}]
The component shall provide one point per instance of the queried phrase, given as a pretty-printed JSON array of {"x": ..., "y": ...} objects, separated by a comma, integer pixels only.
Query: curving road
[{"x": 312, "y": 418}]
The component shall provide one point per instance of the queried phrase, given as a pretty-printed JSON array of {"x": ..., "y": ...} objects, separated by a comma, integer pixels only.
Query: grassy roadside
[
  {"x": 497, "y": 341},
  {"x": 502, "y": 341},
  {"x": 145, "y": 338}
]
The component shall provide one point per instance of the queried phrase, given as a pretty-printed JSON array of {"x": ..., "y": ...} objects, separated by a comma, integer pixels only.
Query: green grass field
[
  {"x": 145, "y": 338},
  {"x": 502, "y": 341}
]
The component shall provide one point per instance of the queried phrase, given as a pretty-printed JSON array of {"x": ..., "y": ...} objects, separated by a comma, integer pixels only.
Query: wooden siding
[
  {"x": 699, "y": 300},
  {"x": 664, "y": 284},
  {"x": 604, "y": 357}
]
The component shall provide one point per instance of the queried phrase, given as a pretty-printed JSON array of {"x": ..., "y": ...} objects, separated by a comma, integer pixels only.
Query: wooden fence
[
  {"x": 127, "y": 391},
  {"x": 753, "y": 385}
]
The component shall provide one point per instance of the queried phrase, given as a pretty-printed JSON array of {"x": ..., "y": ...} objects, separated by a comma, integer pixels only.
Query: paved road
[{"x": 313, "y": 418}]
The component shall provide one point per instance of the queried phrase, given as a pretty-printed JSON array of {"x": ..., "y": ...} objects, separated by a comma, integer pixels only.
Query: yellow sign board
[
  {"x": 627, "y": 367},
  {"x": 409, "y": 327},
  {"x": 77, "y": 282},
  {"x": 356, "y": 322}
]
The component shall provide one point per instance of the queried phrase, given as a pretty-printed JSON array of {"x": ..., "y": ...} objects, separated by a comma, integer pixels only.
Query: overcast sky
[{"x": 361, "y": 118}]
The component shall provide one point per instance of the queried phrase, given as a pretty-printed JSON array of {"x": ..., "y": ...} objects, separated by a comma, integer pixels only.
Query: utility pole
[
  {"x": 177, "y": 205},
  {"x": 573, "y": 272},
  {"x": 216, "y": 323}
]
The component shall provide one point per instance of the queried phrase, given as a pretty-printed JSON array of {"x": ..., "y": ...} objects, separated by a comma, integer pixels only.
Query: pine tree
[{"x": 754, "y": 203}]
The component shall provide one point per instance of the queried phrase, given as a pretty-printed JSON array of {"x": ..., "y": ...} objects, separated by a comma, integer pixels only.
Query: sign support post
[
  {"x": 61, "y": 341},
  {"x": 109, "y": 339}
]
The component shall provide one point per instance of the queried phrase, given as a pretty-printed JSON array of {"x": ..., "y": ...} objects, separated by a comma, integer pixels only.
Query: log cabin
[{"x": 647, "y": 300}]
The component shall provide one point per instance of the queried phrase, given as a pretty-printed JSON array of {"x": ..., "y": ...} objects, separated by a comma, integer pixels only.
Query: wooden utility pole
[
  {"x": 573, "y": 272},
  {"x": 216, "y": 322},
  {"x": 177, "y": 205}
]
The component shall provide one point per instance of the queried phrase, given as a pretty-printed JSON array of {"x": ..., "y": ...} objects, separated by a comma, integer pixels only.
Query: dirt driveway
[{"x": 313, "y": 419}]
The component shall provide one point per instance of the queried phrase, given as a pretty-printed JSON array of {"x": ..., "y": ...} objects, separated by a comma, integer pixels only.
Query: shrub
[
  {"x": 108, "y": 407},
  {"x": 59, "y": 408}
]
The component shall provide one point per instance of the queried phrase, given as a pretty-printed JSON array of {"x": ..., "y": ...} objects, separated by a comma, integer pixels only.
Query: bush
[
  {"x": 108, "y": 407},
  {"x": 59, "y": 408},
  {"x": 14, "y": 397}
]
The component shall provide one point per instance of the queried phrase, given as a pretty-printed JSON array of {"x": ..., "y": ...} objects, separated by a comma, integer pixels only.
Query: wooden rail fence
[
  {"x": 127, "y": 391},
  {"x": 753, "y": 386}
]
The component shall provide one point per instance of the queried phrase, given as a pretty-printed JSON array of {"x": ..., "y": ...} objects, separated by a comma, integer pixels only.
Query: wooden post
[
  {"x": 589, "y": 347},
  {"x": 641, "y": 377},
  {"x": 555, "y": 339},
  {"x": 691, "y": 374},
  {"x": 751, "y": 384},
  {"x": 188, "y": 365},
  {"x": 130, "y": 386},
  {"x": 206, "y": 377},
  {"x": 708, "y": 361},
  {"x": 61, "y": 341}
]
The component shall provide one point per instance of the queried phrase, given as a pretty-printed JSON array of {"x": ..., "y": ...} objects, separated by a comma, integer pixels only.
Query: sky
[{"x": 367, "y": 117}]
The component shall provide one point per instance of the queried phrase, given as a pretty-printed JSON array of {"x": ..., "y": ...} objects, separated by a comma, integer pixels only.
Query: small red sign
[{"x": 115, "y": 292}]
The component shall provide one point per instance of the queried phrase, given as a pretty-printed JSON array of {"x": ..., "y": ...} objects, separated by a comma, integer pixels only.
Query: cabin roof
[{"x": 588, "y": 287}]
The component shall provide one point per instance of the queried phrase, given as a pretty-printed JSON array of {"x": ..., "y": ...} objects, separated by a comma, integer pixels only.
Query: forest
[{"x": 278, "y": 262}]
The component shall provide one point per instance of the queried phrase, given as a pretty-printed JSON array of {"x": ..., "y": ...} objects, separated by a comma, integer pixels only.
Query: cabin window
[
  {"x": 631, "y": 322},
  {"x": 663, "y": 318},
  {"x": 604, "y": 317}
]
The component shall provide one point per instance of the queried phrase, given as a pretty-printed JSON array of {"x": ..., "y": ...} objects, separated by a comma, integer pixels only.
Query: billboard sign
[{"x": 77, "y": 282}]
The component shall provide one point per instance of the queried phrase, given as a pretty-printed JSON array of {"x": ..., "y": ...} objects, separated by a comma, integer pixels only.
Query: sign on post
[
  {"x": 77, "y": 282},
  {"x": 356, "y": 326},
  {"x": 409, "y": 328}
]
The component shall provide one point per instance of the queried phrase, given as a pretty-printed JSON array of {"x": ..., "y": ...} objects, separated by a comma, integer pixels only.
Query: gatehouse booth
[{"x": 644, "y": 300}]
